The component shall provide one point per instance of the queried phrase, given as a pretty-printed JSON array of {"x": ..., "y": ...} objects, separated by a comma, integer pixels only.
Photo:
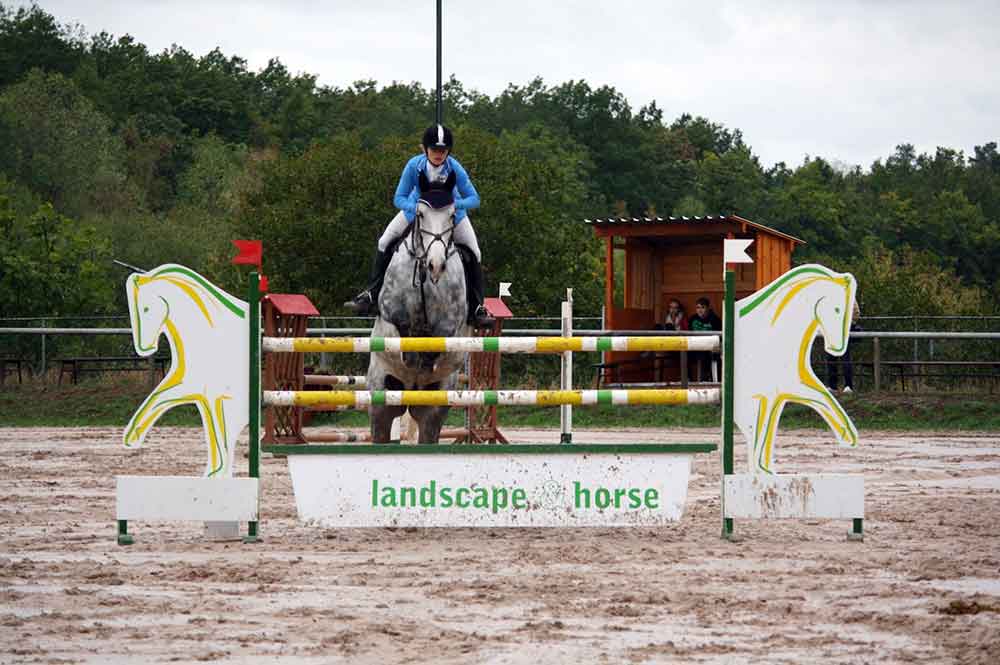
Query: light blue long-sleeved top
[{"x": 408, "y": 189}]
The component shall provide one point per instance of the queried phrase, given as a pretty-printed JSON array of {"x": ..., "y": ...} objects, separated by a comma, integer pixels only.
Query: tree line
[{"x": 113, "y": 151}]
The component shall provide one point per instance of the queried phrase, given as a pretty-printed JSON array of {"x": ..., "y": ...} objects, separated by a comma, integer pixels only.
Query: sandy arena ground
[{"x": 924, "y": 586}]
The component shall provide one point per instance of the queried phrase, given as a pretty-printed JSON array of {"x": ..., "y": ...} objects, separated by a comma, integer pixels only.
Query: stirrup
[
  {"x": 363, "y": 303},
  {"x": 482, "y": 318}
]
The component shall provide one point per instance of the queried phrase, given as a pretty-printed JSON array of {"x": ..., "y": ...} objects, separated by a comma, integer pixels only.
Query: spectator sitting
[
  {"x": 675, "y": 318},
  {"x": 833, "y": 363},
  {"x": 704, "y": 319}
]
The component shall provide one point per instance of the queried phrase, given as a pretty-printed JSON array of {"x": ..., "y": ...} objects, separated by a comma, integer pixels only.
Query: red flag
[
  {"x": 262, "y": 287},
  {"x": 250, "y": 254}
]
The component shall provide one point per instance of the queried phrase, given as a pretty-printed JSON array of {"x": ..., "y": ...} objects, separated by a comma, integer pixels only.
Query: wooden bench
[
  {"x": 74, "y": 367},
  {"x": 12, "y": 365},
  {"x": 614, "y": 373}
]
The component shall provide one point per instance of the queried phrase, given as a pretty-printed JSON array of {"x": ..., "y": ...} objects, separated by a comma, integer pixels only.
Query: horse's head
[
  {"x": 833, "y": 311},
  {"x": 148, "y": 311},
  {"x": 435, "y": 228}
]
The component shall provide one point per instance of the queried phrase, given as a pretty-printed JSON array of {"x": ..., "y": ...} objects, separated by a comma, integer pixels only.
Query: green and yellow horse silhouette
[
  {"x": 208, "y": 333},
  {"x": 775, "y": 331}
]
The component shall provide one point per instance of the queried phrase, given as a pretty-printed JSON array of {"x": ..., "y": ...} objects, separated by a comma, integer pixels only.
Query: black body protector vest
[{"x": 437, "y": 194}]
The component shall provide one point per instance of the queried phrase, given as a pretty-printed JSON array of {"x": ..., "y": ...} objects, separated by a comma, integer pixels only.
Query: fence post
[
  {"x": 876, "y": 364},
  {"x": 43, "y": 350}
]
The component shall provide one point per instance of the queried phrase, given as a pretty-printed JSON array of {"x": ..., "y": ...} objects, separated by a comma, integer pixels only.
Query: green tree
[
  {"x": 956, "y": 230},
  {"x": 982, "y": 180},
  {"x": 31, "y": 38},
  {"x": 731, "y": 183},
  {"x": 811, "y": 204},
  {"x": 212, "y": 182},
  {"x": 533, "y": 187},
  {"x": 906, "y": 282},
  {"x": 690, "y": 206},
  {"x": 704, "y": 136},
  {"x": 50, "y": 264},
  {"x": 60, "y": 146}
]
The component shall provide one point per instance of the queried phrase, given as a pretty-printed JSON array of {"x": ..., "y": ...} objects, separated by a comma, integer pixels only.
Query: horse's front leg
[
  {"x": 430, "y": 420},
  {"x": 161, "y": 400},
  {"x": 827, "y": 406},
  {"x": 381, "y": 421},
  {"x": 381, "y": 415}
]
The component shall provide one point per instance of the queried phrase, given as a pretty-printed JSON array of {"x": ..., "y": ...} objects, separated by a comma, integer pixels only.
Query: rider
[{"x": 432, "y": 171}]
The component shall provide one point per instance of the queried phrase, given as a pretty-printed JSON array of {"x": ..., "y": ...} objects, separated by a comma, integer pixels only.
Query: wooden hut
[{"x": 677, "y": 257}]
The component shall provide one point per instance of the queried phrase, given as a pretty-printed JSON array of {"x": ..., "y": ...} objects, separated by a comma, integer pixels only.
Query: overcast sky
[{"x": 839, "y": 79}]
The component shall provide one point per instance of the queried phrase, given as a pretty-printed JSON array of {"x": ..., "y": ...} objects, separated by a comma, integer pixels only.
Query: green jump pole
[
  {"x": 728, "y": 355},
  {"x": 253, "y": 299}
]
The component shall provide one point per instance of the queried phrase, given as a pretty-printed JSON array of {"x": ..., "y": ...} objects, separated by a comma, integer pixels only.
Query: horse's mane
[
  {"x": 792, "y": 281},
  {"x": 198, "y": 289}
]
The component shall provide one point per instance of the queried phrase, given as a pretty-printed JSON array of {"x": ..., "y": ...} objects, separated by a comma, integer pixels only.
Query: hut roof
[
  {"x": 659, "y": 222},
  {"x": 292, "y": 303}
]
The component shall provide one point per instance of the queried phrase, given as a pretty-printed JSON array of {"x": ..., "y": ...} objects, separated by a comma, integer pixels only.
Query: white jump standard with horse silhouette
[
  {"x": 766, "y": 345},
  {"x": 207, "y": 330}
]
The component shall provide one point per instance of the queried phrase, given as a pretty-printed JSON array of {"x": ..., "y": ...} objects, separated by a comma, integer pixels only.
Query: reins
[{"x": 418, "y": 251}]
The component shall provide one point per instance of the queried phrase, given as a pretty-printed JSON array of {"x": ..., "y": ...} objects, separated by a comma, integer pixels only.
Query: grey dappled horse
[{"x": 423, "y": 296}]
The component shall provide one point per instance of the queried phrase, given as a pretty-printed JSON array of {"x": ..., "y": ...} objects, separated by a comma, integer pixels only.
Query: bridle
[{"x": 418, "y": 249}]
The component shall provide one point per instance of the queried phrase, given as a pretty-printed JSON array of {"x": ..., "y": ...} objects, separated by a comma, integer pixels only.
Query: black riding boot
[
  {"x": 478, "y": 316},
  {"x": 366, "y": 302}
]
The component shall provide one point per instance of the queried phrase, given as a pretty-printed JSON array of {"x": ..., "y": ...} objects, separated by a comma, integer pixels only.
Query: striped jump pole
[
  {"x": 363, "y": 398},
  {"x": 358, "y": 380},
  {"x": 331, "y": 380},
  {"x": 486, "y": 344},
  {"x": 366, "y": 437}
]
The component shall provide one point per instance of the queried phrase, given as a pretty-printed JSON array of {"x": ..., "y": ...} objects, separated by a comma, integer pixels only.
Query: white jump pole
[{"x": 566, "y": 376}]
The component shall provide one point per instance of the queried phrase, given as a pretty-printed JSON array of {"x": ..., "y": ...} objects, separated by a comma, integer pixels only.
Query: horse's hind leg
[
  {"x": 219, "y": 459},
  {"x": 233, "y": 414}
]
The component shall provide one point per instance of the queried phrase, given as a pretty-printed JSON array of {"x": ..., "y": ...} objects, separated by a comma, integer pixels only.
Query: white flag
[
  {"x": 735, "y": 251},
  {"x": 505, "y": 288}
]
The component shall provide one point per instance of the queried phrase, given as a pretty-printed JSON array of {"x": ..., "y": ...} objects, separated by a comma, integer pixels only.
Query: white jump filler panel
[
  {"x": 494, "y": 490},
  {"x": 827, "y": 496},
  {"x": 159, "y": 498}
]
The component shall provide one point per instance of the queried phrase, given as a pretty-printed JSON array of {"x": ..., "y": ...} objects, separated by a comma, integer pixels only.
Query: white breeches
[
  {"x": 396, "y": 228},
  {"x": 464, "y": 234}
]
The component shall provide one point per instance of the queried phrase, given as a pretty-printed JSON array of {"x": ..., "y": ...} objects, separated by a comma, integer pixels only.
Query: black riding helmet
[{"x": 438, "y": 136}]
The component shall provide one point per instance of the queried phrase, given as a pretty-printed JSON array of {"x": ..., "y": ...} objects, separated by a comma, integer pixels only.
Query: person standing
[{"x": 834, "y": 363}]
